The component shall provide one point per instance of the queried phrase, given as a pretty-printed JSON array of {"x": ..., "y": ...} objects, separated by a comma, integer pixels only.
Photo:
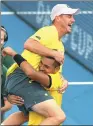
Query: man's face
[
  {"x": 46, "y": 66},
  {"x": 2, "y": 37},
  {"x": 65, "y": 22}
]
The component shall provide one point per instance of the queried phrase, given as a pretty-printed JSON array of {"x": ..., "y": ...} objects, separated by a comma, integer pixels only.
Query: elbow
[{"x": 26, "y": 45}]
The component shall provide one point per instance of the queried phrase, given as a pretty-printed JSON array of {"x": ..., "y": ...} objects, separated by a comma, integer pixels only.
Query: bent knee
[{"x": 61, "y": 118}]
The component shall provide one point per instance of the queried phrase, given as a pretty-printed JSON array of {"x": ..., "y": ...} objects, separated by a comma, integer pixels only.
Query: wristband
[{"x": 18, "y": 59}]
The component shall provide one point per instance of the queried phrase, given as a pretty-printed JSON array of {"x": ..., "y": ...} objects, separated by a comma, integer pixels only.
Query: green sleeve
[
  {"x": 8, "y": 61},
  {"x": 3, "y": 76}
]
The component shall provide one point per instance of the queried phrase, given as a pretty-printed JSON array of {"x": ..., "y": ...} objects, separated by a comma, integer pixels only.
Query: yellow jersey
[{"x": 47, "y": 36}]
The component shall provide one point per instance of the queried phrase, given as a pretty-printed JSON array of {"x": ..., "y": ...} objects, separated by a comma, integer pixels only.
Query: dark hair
[
  {"x": 6, "y": 34},
  {"x": 56, "y": 63}
]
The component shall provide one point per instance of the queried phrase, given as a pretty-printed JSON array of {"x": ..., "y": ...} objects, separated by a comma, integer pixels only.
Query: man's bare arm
[
  {"x": 35, "y": 75},
  {"x": 35, "y": 47},
  {"x": 7, "y": 106},
  {"x": 29, "y": 70}
]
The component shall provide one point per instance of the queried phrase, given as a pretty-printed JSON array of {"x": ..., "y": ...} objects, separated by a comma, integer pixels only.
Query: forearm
[
  {"x": 4, "y": 109},
  {"x": 36, "y": 47},
  {"x": 7, "y": 106},
  {"x": 40, "y": 77},
  {"x": 24, "y": 65},
  {"x": 27, "y": 69}
]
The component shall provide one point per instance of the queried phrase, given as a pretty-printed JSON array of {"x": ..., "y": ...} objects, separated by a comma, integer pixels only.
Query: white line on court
[
  {"x": 80, "y": 83},
  {"x": 37, "y": 12}
]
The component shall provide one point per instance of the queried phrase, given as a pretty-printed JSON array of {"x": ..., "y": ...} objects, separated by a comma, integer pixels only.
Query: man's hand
[
  {"x": 64, "y": 86},
  {"x": 59, "y": 56},
  {"x": 8, "y": 51},
  {"x": 16, "y": 100}
]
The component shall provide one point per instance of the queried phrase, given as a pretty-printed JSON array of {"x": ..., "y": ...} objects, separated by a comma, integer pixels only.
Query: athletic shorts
[{"x": 32, "y": 92}]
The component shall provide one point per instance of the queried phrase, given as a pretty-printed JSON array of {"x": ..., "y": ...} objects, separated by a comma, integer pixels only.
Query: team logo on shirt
[
  {"x": 46, "y": 94},
  {"x": 38, "y": 37}
]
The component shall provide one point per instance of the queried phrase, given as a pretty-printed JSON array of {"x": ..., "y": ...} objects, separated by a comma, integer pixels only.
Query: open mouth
[{"x": 70, "y": 25}]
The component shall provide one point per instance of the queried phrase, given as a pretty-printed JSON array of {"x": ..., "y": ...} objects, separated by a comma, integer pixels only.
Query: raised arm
[
  {"x": 40, "y": 77},
  {"x": 35, "y": 46}
]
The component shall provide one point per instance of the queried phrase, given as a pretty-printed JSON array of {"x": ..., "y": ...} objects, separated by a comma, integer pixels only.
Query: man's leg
[
  {"x": 49, "y": 109},
  {"x": 16, "y": 118}
]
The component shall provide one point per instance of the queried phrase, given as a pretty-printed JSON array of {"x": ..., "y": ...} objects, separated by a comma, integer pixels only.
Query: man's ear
[{"x": 57, "y": 18}]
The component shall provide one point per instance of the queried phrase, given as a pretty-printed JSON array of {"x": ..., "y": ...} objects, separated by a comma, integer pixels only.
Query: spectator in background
[{"x": 5, "y": 63}]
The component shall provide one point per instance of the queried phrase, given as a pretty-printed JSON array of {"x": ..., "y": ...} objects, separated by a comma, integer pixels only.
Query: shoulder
[
  {"x": 55, "y": 76},
  {"x": 44, "y": 34},
  {"x": 47, "y": 29}
]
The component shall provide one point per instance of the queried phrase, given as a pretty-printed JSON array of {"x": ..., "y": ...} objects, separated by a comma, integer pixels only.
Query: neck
[{"x": 61, "y": 32}]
